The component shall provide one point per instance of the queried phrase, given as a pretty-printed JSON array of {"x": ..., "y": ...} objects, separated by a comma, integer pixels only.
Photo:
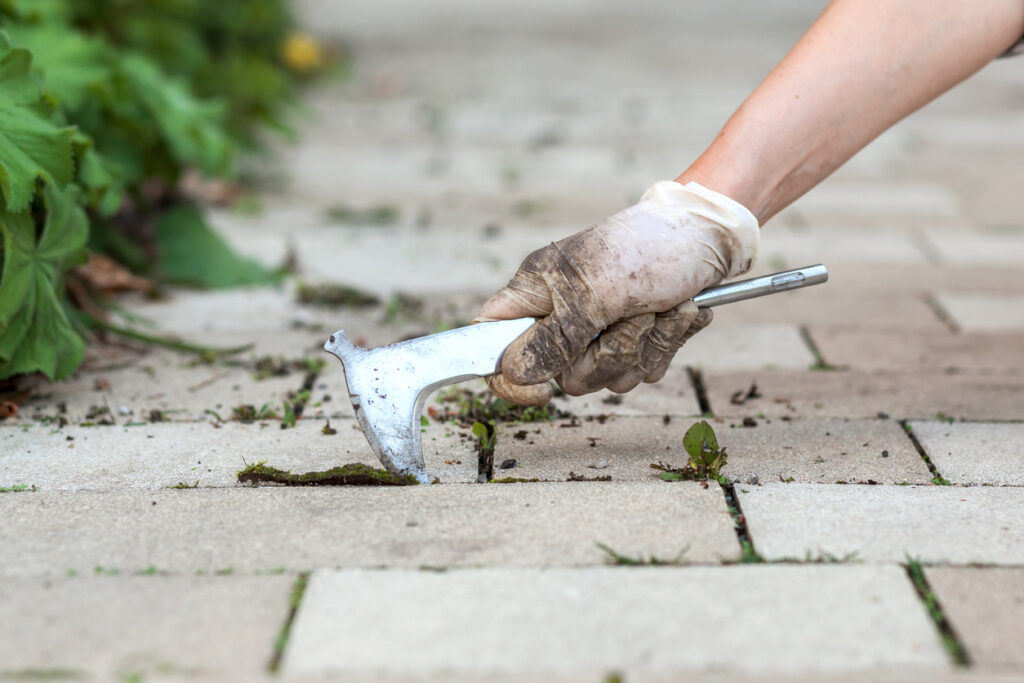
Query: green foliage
[
  {"x": 617, "y": 558},
  {"x": 486, "y": 433},
  {"x": 103, "y": 105},
  {"x": 706, "y": 458}
]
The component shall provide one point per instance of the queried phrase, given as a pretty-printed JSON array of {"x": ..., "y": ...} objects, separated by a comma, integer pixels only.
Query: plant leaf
[
  {"x": 31, "y": 145},
  {"x": 695, "y": 439},
  {"x": 35, "y": 331},
  {"x": 191, "y": 253}
]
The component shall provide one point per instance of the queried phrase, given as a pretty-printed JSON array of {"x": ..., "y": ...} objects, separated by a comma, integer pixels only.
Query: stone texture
[
  {"x": 160, "y": 455},
  {"x": 499, "y": 524},
  {"x": 859, "y": 394},
  {"x": 753, "y": 347},
  {"x": 975, "y": 452},
  {"x": 985, "y": 605},
  {"x": 911, "y": 351},
  {"x": 165, "y": 382},
  {"x": 993, "y": 247},
  {"x": 534, "y": 623},
  {"x": 985, "y": 312},
  {"x": 886, "y": 523},
  {"x": 821, "y": 450},
  {"x": 112, "y": 627}
]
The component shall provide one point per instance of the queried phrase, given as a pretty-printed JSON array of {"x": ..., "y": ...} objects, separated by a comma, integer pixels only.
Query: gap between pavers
[
  {"x": 534, "y": 623},
  {"x": 157, "y": 456},
  {"x": 299, "y": 528},
  {"x": 886, "y": 523},
  {"x": 975, "y": 452},
  {"x": 112, "y": 627},
  {"x": 857, "y": 394},
  {"x": 985, "y": 605}
]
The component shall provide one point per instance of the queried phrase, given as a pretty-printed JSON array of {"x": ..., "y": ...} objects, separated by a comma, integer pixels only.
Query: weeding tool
[{"x": 389, "y": 385}]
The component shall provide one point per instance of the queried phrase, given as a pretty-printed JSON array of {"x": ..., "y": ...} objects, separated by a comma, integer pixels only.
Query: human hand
[{"x": 628, "y": 278}]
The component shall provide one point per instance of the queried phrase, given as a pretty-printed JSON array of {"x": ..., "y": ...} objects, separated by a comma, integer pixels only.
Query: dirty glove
[{"x": 629, "y": 278}]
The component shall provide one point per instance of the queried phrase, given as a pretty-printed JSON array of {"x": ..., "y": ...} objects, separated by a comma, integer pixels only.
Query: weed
[
  {"x": 706, "y": 458},
  {"x": 618, "y": 558},
  {"x": 295, "y": 599},
  {"x": 956, "y": 650},
  {"x": 348, "y": 475},
  {"x": 487, "y": 438},
  {"x": 289, "y": 418},
  {"x": 378, "y": 214},
  {"x": 514, "y": 480},
  {"x": 327, "y": 429},
  {"x": 247, "y": 413},
  {"x": 470, "y": 407},
  {"x": 17, "y": 488},
  {"x": 941, "y": 481},
  {"x": 183, "y": 485}
]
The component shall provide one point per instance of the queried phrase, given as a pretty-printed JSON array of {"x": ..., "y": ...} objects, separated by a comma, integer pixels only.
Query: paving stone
[
  {"x": 821, "y": 450},
  {"x": 168, "y": 383},
  {"x": 859, "y": 394},
  {"x": 996, "y": 246},
  {"x": 985, "y": 605},
  {"x": 847, "y": 198},
  {"x": 984, "y": 312},
  {"x": 886, "y": 523},
  {"x": 268, "y": 527},
  {"x": 535, "y": 622},
  {"x": 117, "y": 627},
  {"x": 975, "y": 452},
  {"x": 157, "y": 456},
  {"x": 753, "y": 347},
  {"x": 890, "y": 350},
  {"x": 784, "y": 247}
]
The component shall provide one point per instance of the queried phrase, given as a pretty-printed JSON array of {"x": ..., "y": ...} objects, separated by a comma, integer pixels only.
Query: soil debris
[
  {"x": 749, "y": 422},
  {"x": 328, "y": 430},
  {"x": 508, "y": 463},
  {"x": 579, "y": 477},
  {"x": 740, "y": 397},
  {"x": 514, "y": 480},
  {"x": 8, "y": 409},
  {"x": 355, "y": 474},
  {"x": 466, "y": 407},
  {"x": 378, "y": 214},
  {"x": 613, "y": 400},
  {"x": 336, "y": 294}
]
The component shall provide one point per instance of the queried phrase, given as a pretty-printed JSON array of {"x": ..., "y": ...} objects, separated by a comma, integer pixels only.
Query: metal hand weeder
[{"x": 389, "y": 385}]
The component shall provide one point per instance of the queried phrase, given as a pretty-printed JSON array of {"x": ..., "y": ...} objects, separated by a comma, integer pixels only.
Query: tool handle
[{"x": 759, "y": 286}]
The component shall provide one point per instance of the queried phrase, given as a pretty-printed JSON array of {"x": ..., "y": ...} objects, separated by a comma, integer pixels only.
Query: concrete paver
[
  {"x": 160, "y": 455},
  {"x": 985, "y": 312},
  {"x": 752, "y": 347},
  {"x": 986, "y": 608},
  {"x": 168, "y": 383},
  {"x": 887, "y": 350},
  {"x": 859, "y": 394},
  {"x": 886, "y": 523},
  {"x": 265, "y": 528},
  {"x": 635, "y": 621},
  {"x": 975, "y": 452},
  {"x": 114, "y": 627},
  {"x": 822, "y": 450}
]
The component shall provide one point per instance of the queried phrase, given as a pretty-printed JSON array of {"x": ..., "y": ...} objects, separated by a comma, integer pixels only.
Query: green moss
[
  {"x": 513, "y": 480},
  {"x": 355, "y": 474}
]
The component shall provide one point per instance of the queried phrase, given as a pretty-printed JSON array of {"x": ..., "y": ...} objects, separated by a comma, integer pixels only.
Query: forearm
[{"x": 862, "y": 66}]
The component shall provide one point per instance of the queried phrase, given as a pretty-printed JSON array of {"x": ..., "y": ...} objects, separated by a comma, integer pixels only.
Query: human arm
[{"x": 860, "y": 68}]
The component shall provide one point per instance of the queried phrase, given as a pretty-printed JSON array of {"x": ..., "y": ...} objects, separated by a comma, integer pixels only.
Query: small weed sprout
[
  {"x": 706, "y": 457},
  {"x": 617, "y": 558}
]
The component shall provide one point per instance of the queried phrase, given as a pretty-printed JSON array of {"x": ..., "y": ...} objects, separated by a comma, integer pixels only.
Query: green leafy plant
[
  {"x": 617, "y": 558},
  {"x": 104, "y": 107},
  {"x": 706, "y": 458}
]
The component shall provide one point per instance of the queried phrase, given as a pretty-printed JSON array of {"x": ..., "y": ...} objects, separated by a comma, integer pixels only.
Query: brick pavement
[{"x": 492, "y": 131}]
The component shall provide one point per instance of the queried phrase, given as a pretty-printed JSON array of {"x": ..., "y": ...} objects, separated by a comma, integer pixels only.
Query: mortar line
[
  {"x": 950, "y": 639},
  {"x": 909, "y": 431},
  {"x": 931, "y": 253},
  {"x": 748, "y": 553},
  {"x": 697, "y": 382},
  {"x": 940, "y": 312},
  {"x": 295, "y": 599},
  {"x": 812, "y": 346}
]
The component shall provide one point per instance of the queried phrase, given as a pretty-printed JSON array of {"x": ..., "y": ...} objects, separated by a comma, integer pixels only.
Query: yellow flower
[{"x": 302, "y": 53}]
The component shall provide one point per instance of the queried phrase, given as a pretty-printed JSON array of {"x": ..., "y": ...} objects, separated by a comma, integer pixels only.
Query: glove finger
[
  {"x": 671, "y": 330},
  {"x": 526, "y": 295},
  {"x": 520, "y": 394},
  {"x": 609, "y": 357}
]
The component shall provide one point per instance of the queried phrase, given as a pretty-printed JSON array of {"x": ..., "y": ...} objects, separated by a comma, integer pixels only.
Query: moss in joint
[{"x": 355, "y": 474}]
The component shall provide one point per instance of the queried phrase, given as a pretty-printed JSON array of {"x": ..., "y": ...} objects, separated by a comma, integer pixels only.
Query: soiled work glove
[{"x": 628, "y": 278}]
